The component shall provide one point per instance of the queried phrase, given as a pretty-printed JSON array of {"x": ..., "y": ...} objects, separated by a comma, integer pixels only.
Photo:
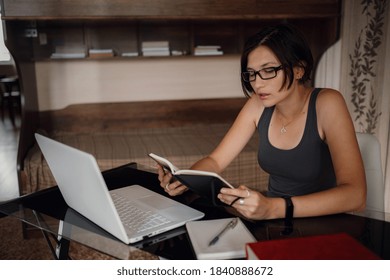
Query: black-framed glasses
[{"x": 265, "y": 73}]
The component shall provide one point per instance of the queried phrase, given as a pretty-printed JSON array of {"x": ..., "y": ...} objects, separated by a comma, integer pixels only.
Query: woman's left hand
[
  {"x": 172, "y": 187},
  {"x": 247, "y": 202}
]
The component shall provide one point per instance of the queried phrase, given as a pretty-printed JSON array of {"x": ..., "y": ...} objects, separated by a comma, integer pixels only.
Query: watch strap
[{"x": 288, "y": 219}]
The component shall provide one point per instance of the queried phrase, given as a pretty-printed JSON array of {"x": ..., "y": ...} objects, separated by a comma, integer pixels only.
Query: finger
[
  {"x": 166, "y": 188},
  {"x": 228, "y": 191},
  {"x": 179, "y": 190},
  {"x": 174, "y": 185},
  {"x": 241, "y": 191},
  {"x": 161, "y": 173},
  {"x": 245, "y": 191},
  {"x": 159, "y": 168},
  {"x": 165, "y": 181},
  {"x": 242, "y": 201},
  {"x": 227, "y": 199},
  {"x": 234, "y": 201}
]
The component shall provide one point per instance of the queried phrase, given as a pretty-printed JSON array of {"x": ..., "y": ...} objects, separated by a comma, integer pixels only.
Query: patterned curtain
[{"x": 365, "y": 72}]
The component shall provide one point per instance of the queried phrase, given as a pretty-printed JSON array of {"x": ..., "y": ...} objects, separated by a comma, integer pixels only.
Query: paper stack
[
  {"x": 68, "y": 52},
  {"x": 67, "y": 55},
  {"x": 155, "y": 48},
  {"x": 177, "y": 53},
  {"x": 100, "y": 53},
  {"x": 208, "y": 50},
  {"x": 129, "y": 54}
]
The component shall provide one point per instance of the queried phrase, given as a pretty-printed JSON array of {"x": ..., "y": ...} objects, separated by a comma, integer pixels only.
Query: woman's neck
[{"x": 294, "y": 104}]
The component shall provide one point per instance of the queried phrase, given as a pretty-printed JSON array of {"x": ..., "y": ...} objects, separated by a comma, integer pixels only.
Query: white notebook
[{"x": 231, "y": 245}]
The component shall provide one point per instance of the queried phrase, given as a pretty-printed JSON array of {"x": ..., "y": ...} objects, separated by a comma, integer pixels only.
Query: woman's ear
[{"x": 298, "y": 72}]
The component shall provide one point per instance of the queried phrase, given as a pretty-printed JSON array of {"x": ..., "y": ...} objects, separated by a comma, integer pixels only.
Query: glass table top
[{"x": 47, "y": 210}]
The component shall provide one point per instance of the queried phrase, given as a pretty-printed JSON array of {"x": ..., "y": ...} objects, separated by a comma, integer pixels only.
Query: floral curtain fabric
[{"x": 365, "y": 73}]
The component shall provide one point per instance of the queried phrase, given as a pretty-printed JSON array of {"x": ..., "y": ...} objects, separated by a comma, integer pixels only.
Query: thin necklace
[{"x": 283, "y": 130}]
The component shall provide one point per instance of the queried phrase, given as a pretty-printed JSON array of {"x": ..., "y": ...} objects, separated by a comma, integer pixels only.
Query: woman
[{"x": 307, "y": 140}]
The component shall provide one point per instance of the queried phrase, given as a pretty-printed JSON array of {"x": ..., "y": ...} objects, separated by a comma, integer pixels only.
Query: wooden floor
[{"x": 8, "y": 149}]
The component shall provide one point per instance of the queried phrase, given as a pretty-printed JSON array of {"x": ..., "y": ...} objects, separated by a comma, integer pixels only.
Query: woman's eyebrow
[{"x": 265, "y": 65}]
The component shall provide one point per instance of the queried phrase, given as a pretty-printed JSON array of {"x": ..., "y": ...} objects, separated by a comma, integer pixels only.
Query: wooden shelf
[
  {"x": 179, "y": 9},
  {"x": 127, "y": 36},
  {"x": 122, "y": 25}
]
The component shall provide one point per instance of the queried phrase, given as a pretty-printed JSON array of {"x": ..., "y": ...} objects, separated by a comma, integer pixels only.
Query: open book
[{"x": 204, "y": 183}]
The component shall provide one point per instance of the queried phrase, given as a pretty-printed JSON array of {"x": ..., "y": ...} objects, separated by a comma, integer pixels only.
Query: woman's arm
[
  {"x": 230, "y": 146},
  {"x": 235, "y": 140},
  {"x": 336, "y": 128}
]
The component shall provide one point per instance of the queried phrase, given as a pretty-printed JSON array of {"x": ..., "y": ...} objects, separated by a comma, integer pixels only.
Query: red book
[{"x": 340, "y": 246}]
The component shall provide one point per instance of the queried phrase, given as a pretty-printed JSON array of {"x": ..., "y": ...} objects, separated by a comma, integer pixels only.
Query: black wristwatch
[{"x": 288, "y": 219}]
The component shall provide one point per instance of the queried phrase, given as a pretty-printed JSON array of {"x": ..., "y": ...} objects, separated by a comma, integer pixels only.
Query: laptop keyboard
[{"x": 135, "y": 218}]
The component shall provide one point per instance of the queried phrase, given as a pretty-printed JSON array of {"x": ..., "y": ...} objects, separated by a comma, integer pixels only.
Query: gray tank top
[{"x": 305, "y": 169}]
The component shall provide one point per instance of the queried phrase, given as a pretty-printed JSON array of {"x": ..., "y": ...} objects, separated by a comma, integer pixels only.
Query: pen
[{"x": 230, "y": 225}]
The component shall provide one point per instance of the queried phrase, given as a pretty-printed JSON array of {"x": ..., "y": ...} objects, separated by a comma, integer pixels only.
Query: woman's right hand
[{"x": 172, "y": 187}]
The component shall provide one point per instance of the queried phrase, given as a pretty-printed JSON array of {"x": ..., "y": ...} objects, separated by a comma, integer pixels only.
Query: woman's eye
[{"x": 268, "y": 70}]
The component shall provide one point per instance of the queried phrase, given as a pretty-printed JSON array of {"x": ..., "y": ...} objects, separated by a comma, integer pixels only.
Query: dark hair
[{"x": 289, "y": 46}]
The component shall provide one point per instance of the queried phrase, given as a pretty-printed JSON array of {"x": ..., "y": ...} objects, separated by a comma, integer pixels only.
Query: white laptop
[{"x": 82, "y": 185}]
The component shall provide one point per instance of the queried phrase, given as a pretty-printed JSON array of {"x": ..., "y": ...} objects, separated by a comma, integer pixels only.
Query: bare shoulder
[
  {"x": 332, "y": 113},
  {"x": 255, "y": 101},
  {"x": 330, "y": 101},
  {"x": 253, "y": 109},
  {"x": 329, "y": 96}
]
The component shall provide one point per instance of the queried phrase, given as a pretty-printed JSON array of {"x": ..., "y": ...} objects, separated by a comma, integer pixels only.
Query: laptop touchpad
[{"x": 156, "y": 202}]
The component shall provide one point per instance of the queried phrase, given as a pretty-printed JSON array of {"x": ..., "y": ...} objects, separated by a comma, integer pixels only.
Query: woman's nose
[{"x": 258, "y": 83}]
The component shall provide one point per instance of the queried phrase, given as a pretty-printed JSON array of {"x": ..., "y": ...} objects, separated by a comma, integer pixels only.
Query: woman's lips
[{"x": 263, "y": 96}]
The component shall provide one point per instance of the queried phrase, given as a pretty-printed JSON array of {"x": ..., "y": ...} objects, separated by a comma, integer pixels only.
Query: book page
[{"x": 166, "y": 164}]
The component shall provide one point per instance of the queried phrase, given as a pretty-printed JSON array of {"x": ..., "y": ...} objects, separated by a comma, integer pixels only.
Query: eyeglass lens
[{"x": 265, "y": 74}]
